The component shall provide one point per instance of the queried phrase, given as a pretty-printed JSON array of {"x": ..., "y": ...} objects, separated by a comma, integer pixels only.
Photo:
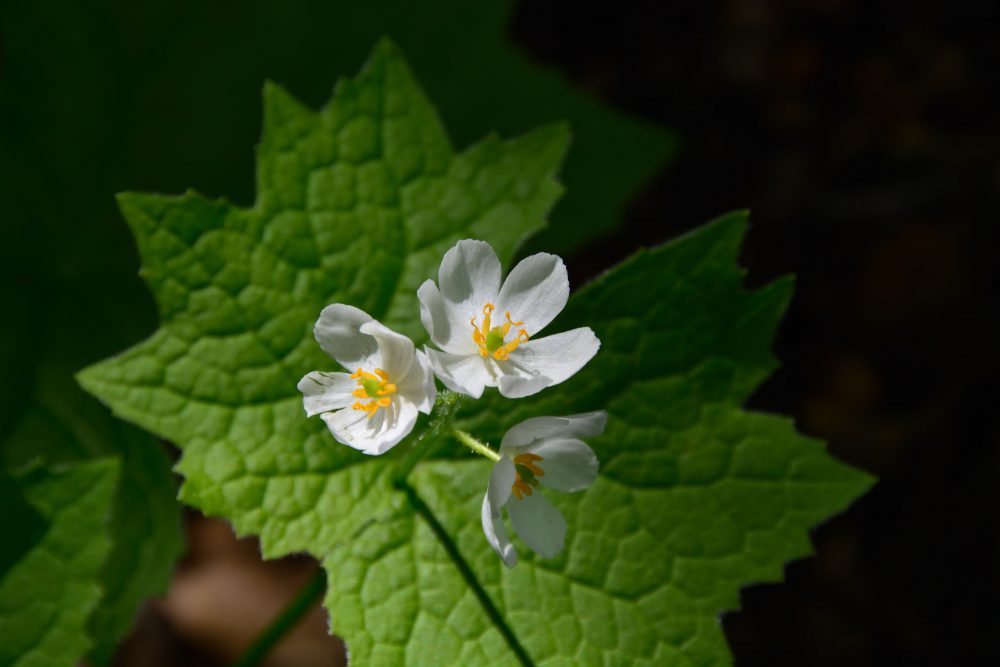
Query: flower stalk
[{"x": 476, "y": 446}]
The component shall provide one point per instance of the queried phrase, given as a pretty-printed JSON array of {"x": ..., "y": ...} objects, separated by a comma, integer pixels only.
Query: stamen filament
[{"x": 490, "y": 339}]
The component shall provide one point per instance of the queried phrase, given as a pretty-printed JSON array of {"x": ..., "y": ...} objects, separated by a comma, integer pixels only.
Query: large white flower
[
  {"x": 543, "y": 451},
  {"x": 475, "y": 351},
  {"x": 375, "y": 406}
]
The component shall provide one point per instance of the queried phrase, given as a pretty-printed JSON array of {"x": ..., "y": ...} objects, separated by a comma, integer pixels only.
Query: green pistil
[
  {"x": 494, "y": 339},
  {"x": 371, "y": 387},
  {"x": 526, "y": 474}
]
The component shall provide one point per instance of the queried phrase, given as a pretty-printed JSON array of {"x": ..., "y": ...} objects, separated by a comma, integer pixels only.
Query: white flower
[
  {"x": 375, "y": 406},
  {"x": 544, "y": 451},
  {"x": 476, "y": 352}
]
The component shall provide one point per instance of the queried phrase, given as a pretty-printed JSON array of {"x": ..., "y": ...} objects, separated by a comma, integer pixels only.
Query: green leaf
[
  {"x": 59, "y": 423},
  {"x": 696, "y": 497},
  {"x": 23, "y": 525},
  {"x": 356, "y": 204},
  {"x": 47, "y": 597}
]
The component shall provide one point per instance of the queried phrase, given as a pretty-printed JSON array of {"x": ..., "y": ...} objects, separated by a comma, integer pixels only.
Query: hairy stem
[
  {"x": 423, "y": 445},
  {"x": 476, "y": 446}
]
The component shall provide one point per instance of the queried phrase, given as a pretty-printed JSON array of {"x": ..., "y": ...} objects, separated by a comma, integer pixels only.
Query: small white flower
[
  {"x": 544, "y": 451},
  {"x": 375, "y": 406},
  {"x": 476, "y": 352}
]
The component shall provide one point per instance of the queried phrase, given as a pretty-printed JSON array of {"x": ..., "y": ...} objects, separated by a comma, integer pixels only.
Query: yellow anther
[
  {"x": 526, "y": 470},
  {"x": 503, "y": 352},
  {"x": 529, "y": 461},
  {"x": 491, "y": 340},
  {"x": 375, "y": 386},
  {"x": 521, "y": 489}
]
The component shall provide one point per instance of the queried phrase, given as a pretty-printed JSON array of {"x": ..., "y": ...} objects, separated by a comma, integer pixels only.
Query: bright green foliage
[
  {"x": 47, "y": 597},
  {"x": 357, "y": 204}
]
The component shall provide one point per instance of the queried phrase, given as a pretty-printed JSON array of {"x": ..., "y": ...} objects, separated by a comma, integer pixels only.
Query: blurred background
[{"x": 864, "y": 136}]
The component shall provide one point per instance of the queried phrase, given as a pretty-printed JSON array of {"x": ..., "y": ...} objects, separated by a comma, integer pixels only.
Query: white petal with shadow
[
  {"x": 324, "y": 392},
  {"x": 535, "y": 291},
  {"x": 539, "y": 523},
  {"x": 470, "y": 274},
  {"x": 466, "y": 374},
  {"x": 338, "y": 332},
  {"x": 584, "y": 425},
  {"x": 569, "y": 464},
  {"x": 447, "y": 324}
]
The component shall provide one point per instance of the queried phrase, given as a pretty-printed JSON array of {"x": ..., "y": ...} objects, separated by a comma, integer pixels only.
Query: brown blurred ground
[{"x": 222, "y": 597}]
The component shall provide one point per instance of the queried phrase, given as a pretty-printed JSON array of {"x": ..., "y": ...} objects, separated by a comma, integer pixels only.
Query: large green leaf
[
  {"x": 357, "y": 204},
  {"x": 47, "y": 597}
]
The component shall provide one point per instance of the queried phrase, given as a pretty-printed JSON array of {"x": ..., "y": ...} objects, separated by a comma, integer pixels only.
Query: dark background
[{"x": 864, "y": 136}]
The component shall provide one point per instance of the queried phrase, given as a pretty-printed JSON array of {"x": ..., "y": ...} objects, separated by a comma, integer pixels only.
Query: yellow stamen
[
  {"x": 529, "y": 461},
  {"x": 491, "y": 340},
  {"x": 526, "y": 470},
  {"x": 375, "y": 386}
]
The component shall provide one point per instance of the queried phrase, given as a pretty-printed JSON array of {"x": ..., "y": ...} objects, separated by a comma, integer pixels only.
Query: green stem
[
  {"x": 286, "y": 620},
  {"x": 475, "y": 445}
]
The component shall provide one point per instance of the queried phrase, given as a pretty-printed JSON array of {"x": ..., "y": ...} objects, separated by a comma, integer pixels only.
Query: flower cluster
[{"x": 485, "y": 334}]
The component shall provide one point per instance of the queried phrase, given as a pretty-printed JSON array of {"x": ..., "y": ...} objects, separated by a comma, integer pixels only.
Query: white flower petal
[
  {"x": 376, "y": 435},
  {"x": 554, "y": 358},
  {"x": 466, "y": 374},
  {"x": 343, "y": 424},
  {"x": 497, "y": 494},
  {"x": 323, "y": 392},
  {"x": 496, "y": 533},
  {"x": 470, "y": 274},
  {"x": 535, "y": 291},
  {"x": 417, "y": 386},
  {"x": 338, "y": 332},
  {"x": 395, "y": 351},
  {"x": 399, "y": 419},
  {"x": 538, "y": 523},
  {"x": 515, "y": 383},
  {"x": 447, "y": 325},
  {"x": 502, "y": 478},
  {"x": 584, "y": 425},
  {"x": 569, "y": 464}
]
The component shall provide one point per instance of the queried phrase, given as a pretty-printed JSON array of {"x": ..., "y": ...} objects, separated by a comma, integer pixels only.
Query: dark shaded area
[
  {"x": 866, "y": 139},
  {"x": 25, "y": 527}
]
